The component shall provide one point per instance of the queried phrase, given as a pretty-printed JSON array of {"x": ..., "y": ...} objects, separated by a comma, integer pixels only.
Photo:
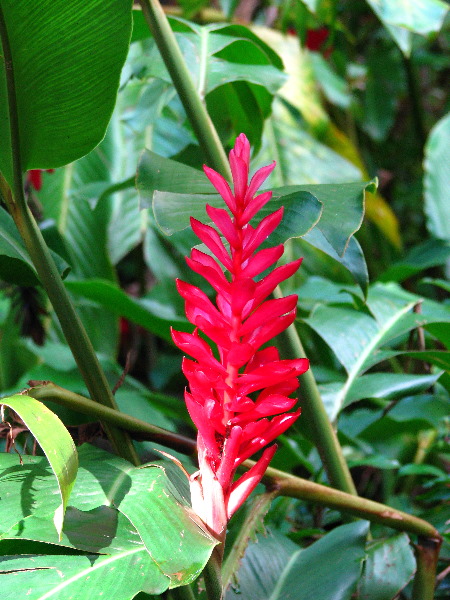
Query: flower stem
[
  {"x": 182, "y": 80},
  {"x": 314, "y": 412},
  {"x": 213, "y": 576},
  {"x": 427, "y": 553},
  {"x": 49, "y": 276},
  {"x": 143, "y": 430}
]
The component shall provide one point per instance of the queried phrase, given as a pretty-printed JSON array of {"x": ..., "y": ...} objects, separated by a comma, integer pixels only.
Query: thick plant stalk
[
  {"x": 139, "y": 429},
  {"x": 278, "y": 482},
  {"x": 71, "y": 325},
  {"x": 212, "y": 575},
  {"x": 427, "y": 553},
  {"x": 314, "y": 412},
  {"x": 324, "y": 435},
  {"x": 182, "y": 80}
]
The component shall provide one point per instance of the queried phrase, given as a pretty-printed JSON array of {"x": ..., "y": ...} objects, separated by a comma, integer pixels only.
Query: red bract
[
  {"x": 238, "y": 402},
  {"x": 34, "y": 177}
]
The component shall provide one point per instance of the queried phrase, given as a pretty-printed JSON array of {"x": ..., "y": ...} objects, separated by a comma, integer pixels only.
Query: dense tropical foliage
[{"x": 108, "y": 112}]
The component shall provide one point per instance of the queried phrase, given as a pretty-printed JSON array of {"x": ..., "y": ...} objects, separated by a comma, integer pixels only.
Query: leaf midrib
[{"x": 354, "y": 371}]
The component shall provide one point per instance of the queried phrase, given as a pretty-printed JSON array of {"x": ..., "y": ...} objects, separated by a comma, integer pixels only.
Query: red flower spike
[{"x": 231, "y": 425}]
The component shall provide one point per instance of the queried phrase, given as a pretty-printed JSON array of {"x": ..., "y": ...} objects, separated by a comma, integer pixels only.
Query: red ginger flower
[{"x": 231, "y": 425}]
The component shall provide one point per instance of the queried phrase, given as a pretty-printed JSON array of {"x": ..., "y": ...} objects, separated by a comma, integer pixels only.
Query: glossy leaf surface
[
  {"x": 58, "y": 448},
  {"x": 65, "y": 80}
]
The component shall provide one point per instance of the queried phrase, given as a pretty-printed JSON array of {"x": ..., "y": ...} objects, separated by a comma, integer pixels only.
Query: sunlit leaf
[
  {"x": 66, "y": 58},
  {"x": 58, "y": 447}
]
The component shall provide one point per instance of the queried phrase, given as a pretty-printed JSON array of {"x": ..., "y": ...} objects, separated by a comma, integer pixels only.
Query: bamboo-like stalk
[
  {"x": 279, "y": 482},
  {"x": 324, "y": 436},
  {"x": 140, "y": 429},
  {"x": 49, "y": 276},
  {"x": 182, "y": 80},
  {"x": 427, "y": 553}
]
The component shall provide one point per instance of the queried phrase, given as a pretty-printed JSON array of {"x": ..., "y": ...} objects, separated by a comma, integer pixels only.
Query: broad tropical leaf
[
  {"x": 66, "y": 60},
  {"x": 58, "y": 447}
]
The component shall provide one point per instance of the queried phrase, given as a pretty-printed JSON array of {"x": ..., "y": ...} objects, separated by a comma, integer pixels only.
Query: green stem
[
  {"x": 295, "y": 487},
  {"x": 141, "y": 429},
  {"x": 314, "y": 412},
  {"x": 253, "y": 521},
  {"x": 72, "y": 327},
  {"x": 283, "y": 483},
  {"x": 427, "y": 553},
  {"x": 213, "y": 576},
  {"x": 182, "y": 80}
]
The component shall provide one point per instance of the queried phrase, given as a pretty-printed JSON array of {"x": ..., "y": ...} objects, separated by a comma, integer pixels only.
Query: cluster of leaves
[{"x": 364, "y": 100}]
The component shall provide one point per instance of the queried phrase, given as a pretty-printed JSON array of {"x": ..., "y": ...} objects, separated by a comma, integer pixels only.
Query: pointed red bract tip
[{"x": 232, "y": 424}]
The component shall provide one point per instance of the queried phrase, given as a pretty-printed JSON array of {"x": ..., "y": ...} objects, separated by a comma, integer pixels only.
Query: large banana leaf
[
  {"x": 66, "y": 58},
  {"x": 274, "y": 568},
  {"x": 134, "y": 523}
]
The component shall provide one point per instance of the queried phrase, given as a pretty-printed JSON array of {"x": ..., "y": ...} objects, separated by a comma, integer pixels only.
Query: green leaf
[
  {"x": 169, "y": 529},
  {"x": 300, "y": 157},
  {"x": 418, "y": 16},
  {"x": 301, "y": 89},
  {"x": 164, "y": 181},
  {"x": 377, "y": 462},
  {"x": 58, "y": 447},
  {"x": 102, "y": 530},
  {"x": 153, "y": 519},
  {"x": 384, "y": 87},
  {"x": 15, "y": 264},
  {"x": 230, "y": 66},
  {"x": 67, "y": 58},
  {"x": 343, "y": 208},
  {"x": 353, "y": 258},
  {"x": 28, "y": 488},
  {"x": 388, "y": 385},
  {"x": 358, "y": 341},
  {"x": 138, "y": 310},
  {"x": 432, "y": 253},
  {"x": 272, "y": 569},
  {"x": 413, "y": 469},
  {"x": 67, "y": 577},
  {"x": 436, "y": 178},
  {"x": 335, "y": 88},
  {"x": 389, "y": 566}
]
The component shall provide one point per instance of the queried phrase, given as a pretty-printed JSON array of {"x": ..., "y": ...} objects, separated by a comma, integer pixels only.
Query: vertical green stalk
[
  {"x": 212, "y": 575},
  {"x": 71, "y": 325},
  {"x": 427, "y": 553},
  {"x": 314, "y": 412},
  {"x": 324, "y": 434},
  {"x": 182, "y": 80}
]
